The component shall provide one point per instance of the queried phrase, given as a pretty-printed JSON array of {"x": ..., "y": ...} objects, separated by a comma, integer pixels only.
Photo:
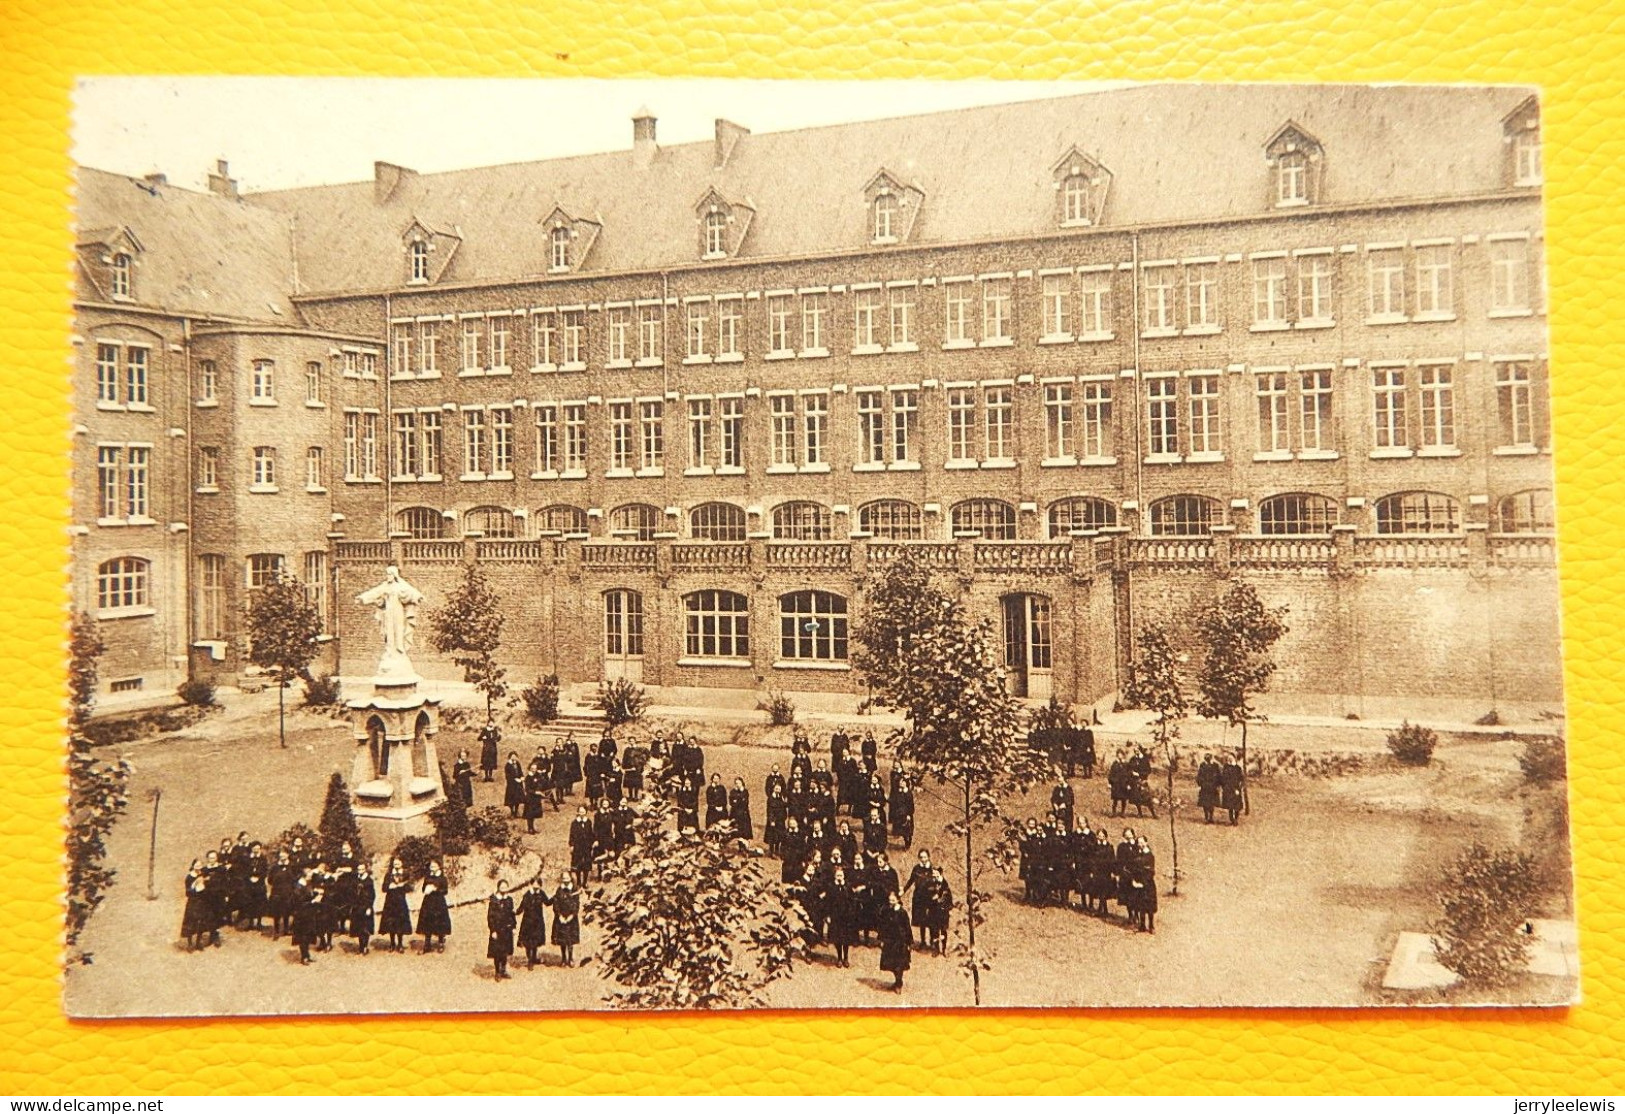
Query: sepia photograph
[{"x": 682, "y": 545}]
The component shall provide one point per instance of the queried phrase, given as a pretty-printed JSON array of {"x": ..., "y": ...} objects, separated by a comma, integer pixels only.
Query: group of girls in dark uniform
[
  {"x": 528, "y": 922},
  {"x": 1058, "y": 859},
  {"x": 1219, "y": 785},
  {"x": 1129, "y": 780}
]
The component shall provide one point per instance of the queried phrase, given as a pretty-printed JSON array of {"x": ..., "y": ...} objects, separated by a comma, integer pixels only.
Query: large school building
[{"x": 1092, "y": 357}]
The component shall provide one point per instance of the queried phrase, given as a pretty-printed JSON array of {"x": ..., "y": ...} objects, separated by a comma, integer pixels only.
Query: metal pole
[{"x": 157, "y": 794}]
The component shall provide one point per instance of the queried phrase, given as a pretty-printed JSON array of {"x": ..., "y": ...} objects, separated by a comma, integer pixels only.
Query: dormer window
[
  {"x": 886, "y": 221},
  {"x": 119, "y": 276},
  {"x": 1297, "y": 162},
  {"x": 716, "y": 235},
  {"x": 1522, "y": 128},
  {"x": 419, "y": 255},
  {"x": 1081, "y": 184},
  {"x": 560, "y": 241},
  {"x": 428, "y": 252},
  {"x": 893, "y": 206},
  {"x": 721, "y": 224}
]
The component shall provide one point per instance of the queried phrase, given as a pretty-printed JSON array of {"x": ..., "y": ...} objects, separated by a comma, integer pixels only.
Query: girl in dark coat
[
  {"x": 895, "y": 940},
  {"x": 253, "y": 898},
  {"x": 396, "y": 923},
  {"x": 716, "y": 802},
  {"x": 939, "y": 905},
  {"x": 283, "y": 877},
  {"x": 198, "y": 920},
  {"x": 841, "y": 907},
  {"x": 603, "y": 836},
  {"x": 902, "y": 811},
  {"x": 535, "y": 787},
  {"x": 777, "y": 812},
  {"x": 499, "y": 922},
  {"x": 363, "y": 897},
  {"x": 1231, "y": 779},
  {"x": 919, "y": 880},
  {"x": 462, "y": 773},
  {"x": 1146, "y": 869},
  {"x": 739, "y": 810},
  {"x": 558, "y": 770},
  {"x": 847, "y": 843},
  {"x": 1207, "y": 787},
  {"x": 874, "y": 831},
  {"x": 513, "y": 794},
  {"x": 307, "y": 914},
  {"x": 581, "y": 841},
  {"x": 572, "y": 767},
  {"x": 533, "y": 921},
  {"x": 434, "y": 918},
  {"x": 490, "y": 740},
  {"x": 566, "y": 920},
  {"x": 688, "y": 805},
  {"x": 792, "y": 849}
]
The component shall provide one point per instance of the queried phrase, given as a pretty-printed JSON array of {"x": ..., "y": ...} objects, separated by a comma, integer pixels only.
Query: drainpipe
[{"x": 386, "y": 420}]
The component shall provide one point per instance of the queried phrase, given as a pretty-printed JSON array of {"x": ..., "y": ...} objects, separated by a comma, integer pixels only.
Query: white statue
[{"x": 397, "y": 604}]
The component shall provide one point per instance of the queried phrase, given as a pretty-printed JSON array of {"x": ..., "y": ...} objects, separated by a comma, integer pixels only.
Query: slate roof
[{"x": 201, "y": 253}]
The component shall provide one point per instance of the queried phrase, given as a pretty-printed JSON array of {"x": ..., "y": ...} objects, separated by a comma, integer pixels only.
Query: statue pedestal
[{"x": 396, "y": 772}]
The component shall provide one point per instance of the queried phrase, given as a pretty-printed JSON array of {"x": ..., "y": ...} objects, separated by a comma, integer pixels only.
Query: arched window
[
  {"x": 1297, "y": 513},
  {"x": 561, "y": 518},
  {"x": 717, "y": 522},
  {"x": 420, "y": 261},
  {"x": 886, "y": 223},
  {"x": 801, "y": 522},
  {"x": 812, "y": 626},
  {"x": 1417, "y": 512},
  {"x": 1083, "y": 512},
  {"x": 635, "y": 520},
  {"x": 120, "y": 276},
  {"x": 993, "y": 519},
  {"x": 623, "y": 623},
  {"x": 1527, "y": 512},
  {"x": 421, "y": 523},
  {"x": 1183, "y": 516},
  {"x": 891, "y": 520},
  {"x": 1075, "y": 197},
  {"x": 492, "y": 522},
  {"x": 716, "y": 624},
  {"x": 122, "y": 583},
  {"x": 560, "y": 242},
  {"x": 716, "y": 233}
]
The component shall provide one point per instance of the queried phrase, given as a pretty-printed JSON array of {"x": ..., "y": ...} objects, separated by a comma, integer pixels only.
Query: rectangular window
[
  {"x": 474, "y": 442},
  {"x": 352, "y": 445},
  {"x": 700, "y": 439},
  {"x": 575, "y": 437},
  {"x": 1159, "y": 299},
  {"x": 1433, "y": 289},
  {"x": 956, "y": 313},
  {"x": 135, "y": 375},
  {"x": 264, "y": 467},
  {"x": 813, "y": 310},
  {"x": 351, "y": 366},
  {"x": 905, "y": 408},
  {"x": 499, "y": 343},
  {"x": 902, "y": 316},
  {"x": 369, "y": 365},
  {"x": 1058, "y": 421},
  {"x": 999, "y": 415},
  {"x": 107, "y": 374},
  {"x": 1438, "y": 406},
  {"x": 732, "y": 453},
  {"x": 208, "y": 467},
  {"x": 316, "y": 584},
  {"x": 1162, "y": 409},
  {"x": 871, "y": 428},
  {"x": 1388, "y": 402},
  {"x": 406, "y": 462},
  {"x": 1274, "y": 436},
  {"x": 620, "y": 437},
  {"x": 401, "y": 350},
  {"x": 1387, "y": 283},
  {"x": 211, "y": 597},
  {"x": 1315, "y": 288},
  {"x": 428, "y": 348},
  {"x": 866, "y": 319},
  {"x": 429, "y": 423},
  {"x": 208, "y": 380},
  {"x": 501, "y": 440},
  {"x": 575, "y": 337},
  {"x": 1315, "y": 389},
  {"x": 730, "y": 327},
  {"x": 698, "y": 315},
  {"x": 315, "y": 468},
  {"x": 1096, "y": 431},
  {"x": 264, "y": 570},
  {"x": 1269, "y": 291},
  {"x": 547, "y": 438},
  {"x": 996, "y": 323},
  {"x": 108, "y": 461},
  {"x": 961, "y": 420},
  {"x": 778, "y": 324},
  {"x": 1202, "y": 295},
  {"x": 1206, "y": 434},
  {"x": 471, "y": 345},
  {"x": 815, "y": 423},
  {"x": 649, "y": 334},
  {"x": 1096, "y": 320},
  {"x": 620, "y": 334},
  {"x": 1514, "y": 400},
  {"x": 544, "y": 339},
  {"x": 1056, "y": 299},
  {"x": 1509, "y": 276},
  {"x": 313, "y": 382},
  {"x": 783, "y": 408},
  {"x": 369, "y": 444},
  {"x": 263, "y": 381},
  {"x": 651, "y": 435}
]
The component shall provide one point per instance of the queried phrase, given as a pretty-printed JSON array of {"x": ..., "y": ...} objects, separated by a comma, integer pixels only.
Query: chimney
[
  {"x": 728, "y": 136},
  {"x": 643, "y": 137},
  {"x": 220, "y": 182},
  {"x": 387, "y": 178}
]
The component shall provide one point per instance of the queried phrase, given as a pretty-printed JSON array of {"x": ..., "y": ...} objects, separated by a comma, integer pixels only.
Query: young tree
[
  {"x": 469, "y": 628},
  {"x": 283, "y": 629},
  {"x": 691, "y": 920},
  {"x": 97, "y": 790},
  {"x": 1239, "y": 632},
  {"x": 921, "y": 655},
  {"x": 1153, "y": 684},
  {"x": 338, "y": 824},
  {"x": 1485, "y": 897}
]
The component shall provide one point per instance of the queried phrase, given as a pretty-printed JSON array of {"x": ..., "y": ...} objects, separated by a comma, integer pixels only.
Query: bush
[
  {"x": 338, "y": 825},
  {"x": 1413, "y": 744},
  {"x": 780, "y": 709},
  {"x": 415, "y": 852},
  {"x": 450, "y": 820},
  {"x": 488, "y": 827},
  {"x": 197, "y": 692},
  {"x": 1486, "y": 898},
  {"x": 322, "y": 691},
  {"x": 542, "y": 699},
  {"x": 1543, "y": 760},
  {"x": 621, "y": 701}
]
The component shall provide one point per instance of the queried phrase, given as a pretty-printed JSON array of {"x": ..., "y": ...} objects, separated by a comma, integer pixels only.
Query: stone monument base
[{"x": 395, "y": 776}]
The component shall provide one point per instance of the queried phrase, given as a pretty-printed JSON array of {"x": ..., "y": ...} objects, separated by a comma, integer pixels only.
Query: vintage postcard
[{"x": 687, "y": 545}]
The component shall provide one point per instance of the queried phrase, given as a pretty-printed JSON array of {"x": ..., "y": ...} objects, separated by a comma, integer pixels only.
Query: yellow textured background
[{"x": 1575, "y": 49}]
